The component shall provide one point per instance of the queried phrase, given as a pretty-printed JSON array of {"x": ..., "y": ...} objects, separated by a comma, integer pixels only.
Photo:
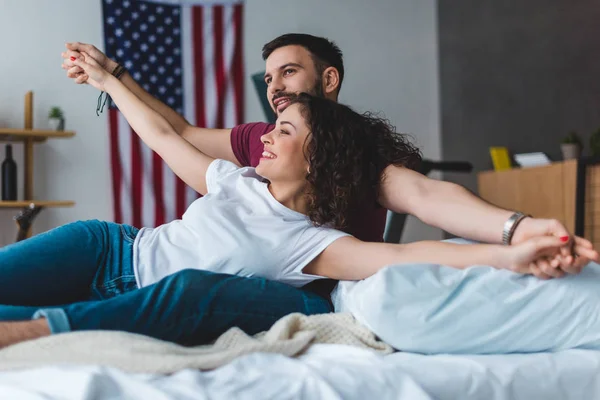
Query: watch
[{"x": 511, "y": 225}]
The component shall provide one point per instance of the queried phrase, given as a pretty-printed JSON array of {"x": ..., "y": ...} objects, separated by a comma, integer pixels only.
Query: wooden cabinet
[
  {"x": 29, "y": 136},
  {"x": 568, "y": 191}
]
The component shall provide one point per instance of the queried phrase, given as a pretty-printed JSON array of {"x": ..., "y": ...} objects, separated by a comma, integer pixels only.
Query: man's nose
[{"x": 277, "y": 85}]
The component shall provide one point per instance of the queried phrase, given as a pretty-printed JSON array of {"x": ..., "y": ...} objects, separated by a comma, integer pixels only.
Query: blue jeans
[{"x": 80, "y": 277}]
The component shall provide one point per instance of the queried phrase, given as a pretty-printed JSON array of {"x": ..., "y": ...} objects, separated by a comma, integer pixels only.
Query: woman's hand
[
  {"x": 575, "y": 253},
  {"x": 523, "y": 258},
  {"x": 74, "y": 50},
  {"x": 96, "y": 75}
]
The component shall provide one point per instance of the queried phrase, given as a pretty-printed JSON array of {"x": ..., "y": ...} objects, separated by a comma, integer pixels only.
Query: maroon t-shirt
[{"x": 366, "y": 223}]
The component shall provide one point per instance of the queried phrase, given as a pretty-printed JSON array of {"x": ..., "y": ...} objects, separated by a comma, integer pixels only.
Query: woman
[{"x": 280, "y": 219}]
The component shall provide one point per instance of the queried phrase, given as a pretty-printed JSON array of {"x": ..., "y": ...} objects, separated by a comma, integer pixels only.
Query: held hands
[
  {"x": 544, "y": 248},
  {"x": 76, "y": 72},
  {"x": 95, "y": 74}
]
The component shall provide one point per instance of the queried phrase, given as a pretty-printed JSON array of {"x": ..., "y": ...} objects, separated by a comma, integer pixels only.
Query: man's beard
[{"x": 316, "y": 90}]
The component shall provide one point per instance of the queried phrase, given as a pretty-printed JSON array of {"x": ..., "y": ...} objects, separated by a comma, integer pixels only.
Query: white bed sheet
[{"x": 330, "y": 372}]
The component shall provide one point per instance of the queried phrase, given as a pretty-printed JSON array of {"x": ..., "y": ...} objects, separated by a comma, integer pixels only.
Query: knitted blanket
[{"x": 291, "y": 336}]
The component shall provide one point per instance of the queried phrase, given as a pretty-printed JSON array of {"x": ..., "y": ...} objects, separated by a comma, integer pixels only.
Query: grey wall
[
  {"x": 519, "y": 74},
  {"x": 390, "y": 51}
]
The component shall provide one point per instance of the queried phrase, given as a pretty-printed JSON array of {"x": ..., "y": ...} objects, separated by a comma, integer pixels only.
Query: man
[{"x": 193, "y": 306}]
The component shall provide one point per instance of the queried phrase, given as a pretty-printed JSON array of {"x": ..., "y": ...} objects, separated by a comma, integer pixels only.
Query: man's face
[{"x": 290, "y": 69}]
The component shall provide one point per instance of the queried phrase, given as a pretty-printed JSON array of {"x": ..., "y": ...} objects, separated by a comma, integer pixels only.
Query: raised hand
[
  {"x": 95, "y": 74},
  {"x": 75, "y": 49}
]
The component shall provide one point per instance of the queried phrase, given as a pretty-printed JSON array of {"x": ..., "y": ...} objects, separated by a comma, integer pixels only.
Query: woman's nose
[{"x": 266, "y": 138}]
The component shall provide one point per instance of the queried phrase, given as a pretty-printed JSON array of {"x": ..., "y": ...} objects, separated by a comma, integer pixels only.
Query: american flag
[{"x": 188, "y": 54}]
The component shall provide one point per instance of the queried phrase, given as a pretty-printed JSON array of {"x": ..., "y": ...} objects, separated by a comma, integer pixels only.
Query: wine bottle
[{"x": 9, "y": 176}]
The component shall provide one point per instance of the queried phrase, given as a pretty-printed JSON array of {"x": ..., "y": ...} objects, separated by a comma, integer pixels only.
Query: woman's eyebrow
[{"x": 287, "y": 122}]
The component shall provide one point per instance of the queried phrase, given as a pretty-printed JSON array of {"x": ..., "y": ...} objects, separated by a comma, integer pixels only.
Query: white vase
[
  {"x": 55, "y": 123},
  {"x": 570, "y": 151}
]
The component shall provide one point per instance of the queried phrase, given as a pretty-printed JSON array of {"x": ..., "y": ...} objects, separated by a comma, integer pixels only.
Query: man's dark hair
[
  {"x": 324, "y": 52},
  {"x": 347, "y": 153}
]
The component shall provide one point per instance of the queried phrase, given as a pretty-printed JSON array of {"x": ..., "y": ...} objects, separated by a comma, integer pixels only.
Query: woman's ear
[{"x": 331, "y": 80}]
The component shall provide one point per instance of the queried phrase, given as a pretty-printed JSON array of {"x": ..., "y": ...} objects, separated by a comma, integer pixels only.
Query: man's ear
[{"x": 331, "y": 80}]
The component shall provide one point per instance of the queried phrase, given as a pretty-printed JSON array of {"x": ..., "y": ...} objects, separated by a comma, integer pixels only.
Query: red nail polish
[
  {"x": 72, "y": 58},
  {"x": 564, "y": 238}
]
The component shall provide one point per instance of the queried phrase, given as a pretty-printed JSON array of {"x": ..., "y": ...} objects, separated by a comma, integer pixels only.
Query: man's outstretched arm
[
  {"x": 215, "y": 143},
  {"x": 212, "y": 142},
  {"x": 454, "y": 209},
  {"x": 445, "y": 205}
]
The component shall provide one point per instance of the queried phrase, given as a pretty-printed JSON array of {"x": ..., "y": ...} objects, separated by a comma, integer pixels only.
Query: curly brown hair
[{"x": 347, "y": 153}]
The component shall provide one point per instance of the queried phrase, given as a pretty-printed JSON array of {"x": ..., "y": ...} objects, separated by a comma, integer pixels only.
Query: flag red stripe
[
  {"x": 219, "y": 65},
  {"x": 159, "y": 199},
  {"x": 136, "y": 180},
  {"x": 128, "y": 194},
  {"x": 238, "y": 67},
  {"x": 115, "y": 160}
]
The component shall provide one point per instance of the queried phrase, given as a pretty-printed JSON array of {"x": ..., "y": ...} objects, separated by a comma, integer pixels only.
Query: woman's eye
[{"x": 282, "y": 132}]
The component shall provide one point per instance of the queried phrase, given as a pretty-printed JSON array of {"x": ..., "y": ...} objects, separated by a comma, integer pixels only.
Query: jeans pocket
[
  {"x": 129, "y": 232},
  {"x": 116, "y": 287}
]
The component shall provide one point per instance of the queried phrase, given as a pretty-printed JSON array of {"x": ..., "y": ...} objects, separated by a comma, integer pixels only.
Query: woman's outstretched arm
[
  {"x": 351, "y": 259},
  {"x": 186, "y": 161}
]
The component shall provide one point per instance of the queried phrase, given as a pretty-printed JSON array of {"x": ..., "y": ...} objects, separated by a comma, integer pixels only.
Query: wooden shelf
[
  {"x": 37, "y": 135},
  {"x": 29, "y": 137},
  {"x": 38, "y": 203}
]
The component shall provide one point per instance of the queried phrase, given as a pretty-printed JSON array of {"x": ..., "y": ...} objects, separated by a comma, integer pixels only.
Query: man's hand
[
  {"x": 74, "y": 50},
  {"x": 521, "y": 257},
  {"x": 574, "y": 254}
]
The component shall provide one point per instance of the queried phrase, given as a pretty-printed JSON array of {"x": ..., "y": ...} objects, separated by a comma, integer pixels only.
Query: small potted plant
[
  {"x": 571, "y": 146},
  {"x": 56, "y": 119},
  {"x": 595, "y": 143}
]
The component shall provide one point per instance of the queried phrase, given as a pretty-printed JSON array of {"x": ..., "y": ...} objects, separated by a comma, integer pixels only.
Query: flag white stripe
[
  {"x": 187, "y": 58},
  {"x": 228, "y": 53},
  {"x": 210, "y": 86},
  {"x": 169, "y": 191},
  {"x": 148, "y": 199},
  {"x": 210, "y": 104}
]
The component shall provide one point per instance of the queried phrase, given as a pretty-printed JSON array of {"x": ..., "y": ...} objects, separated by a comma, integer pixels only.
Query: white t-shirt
[{"x": 236, "y": 228}]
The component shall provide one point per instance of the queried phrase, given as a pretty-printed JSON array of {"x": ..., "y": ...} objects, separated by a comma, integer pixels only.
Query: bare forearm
[
  {"x": 144, "y": 120},
  {"x": 186, "y": 161},
  {"x": 434, "y": 252},
  {"x": 176, "y": 120},
  {"x": 351, "y": 259},
  {"x": 451, "y": 254},
  {"x": 456, "y": 210},
  {"x": 212, "y": 142}
]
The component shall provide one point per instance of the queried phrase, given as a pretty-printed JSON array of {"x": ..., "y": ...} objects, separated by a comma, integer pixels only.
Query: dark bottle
[{"x": 9, "y": 176}]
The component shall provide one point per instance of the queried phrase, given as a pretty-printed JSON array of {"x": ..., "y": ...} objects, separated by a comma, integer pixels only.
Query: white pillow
[{"x": 425, "y": 308}]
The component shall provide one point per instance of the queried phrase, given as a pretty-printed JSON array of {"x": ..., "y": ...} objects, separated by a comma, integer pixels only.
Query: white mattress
[{"x": 330, "y": 372}]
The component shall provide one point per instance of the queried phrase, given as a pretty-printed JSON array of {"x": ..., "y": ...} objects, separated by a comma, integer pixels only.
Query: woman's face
[{"x": 283, "y": 157}]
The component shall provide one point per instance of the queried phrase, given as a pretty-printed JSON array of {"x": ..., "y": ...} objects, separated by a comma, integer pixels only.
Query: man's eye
[
  {"x": 288, "y": 71},
  {"x": 268, "y": 81}
]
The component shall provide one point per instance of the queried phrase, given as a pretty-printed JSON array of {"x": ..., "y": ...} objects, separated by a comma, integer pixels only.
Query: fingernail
[
  {"x": 73, "y": 59},
  {"x": 564, "y": 238}
]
